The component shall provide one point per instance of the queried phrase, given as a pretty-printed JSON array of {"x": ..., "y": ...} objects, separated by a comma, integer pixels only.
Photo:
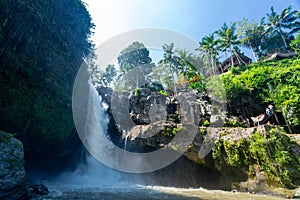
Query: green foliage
[
  {"x": 287, "y": 19},
  {"x": 267, "y": 82},
  {"x": 162, "y": 74},
  {"x": 206, "y": 123},
  {"x": 236, "y": 152},
  {"x": 295, "y": 44},
  {"x": 137, "y": 92},
  {"x": 195, "y": 81},
  {"x": 274, "y": 155},
  {"x": 43, "y": 44},
  {"x": 209, "y": 46},
  {"x": 109, "y": 75},
  {"x": 5, "y": 137},
  {"x": 228, "y": 37},
  {"x": 132, "y": 56},
  {"x": 271, "y": 152},
  {"x": 165, "y": 93},
  {"x": 168, "y": 132},
  {"x": 135, "y": 67},
  {"x": 217, "y": 149},
  {"x": 273, "y": 32},
  {"x": 175, "y": 130},
  {"x": 250, "y": 33},
  {"x": 215, "y": 88}
]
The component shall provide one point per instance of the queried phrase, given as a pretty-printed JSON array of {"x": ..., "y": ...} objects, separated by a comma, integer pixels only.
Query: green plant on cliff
[
  {"x": 5, "y": 137},
  {"x": 43, "y": 44},
  {"x": 271, "y": 151},
  {"x": 276, "y": 82},
  {"x": 273, "y": 154},
  {"x": 295, "y": 44}
]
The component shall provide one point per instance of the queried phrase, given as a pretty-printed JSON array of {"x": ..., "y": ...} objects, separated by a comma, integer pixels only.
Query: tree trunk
[
  {"x": 254, "y": 56},
  {"x": 231, "y": 56},
  {"x": 174, "y": 85},
  {"x": 282, "y": 36},
  {"x": 239, "y": 58}
]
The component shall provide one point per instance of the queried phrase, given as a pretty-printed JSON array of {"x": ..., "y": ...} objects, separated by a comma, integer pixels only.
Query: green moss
[
  {"x": 271, "y": 152},
  {"x": 43, "y": 115},
  {"x": 137, "y": 91},
  {"x": 5, "y": 137},
  {"x": 206, "y": 123}
]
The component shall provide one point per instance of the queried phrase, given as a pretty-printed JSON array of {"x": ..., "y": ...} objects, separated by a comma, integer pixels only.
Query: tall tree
[
  {"x": 287, "y": 19},
  {"x": 132, "y": 56},
  {"x": 209, "y": 46},
  {"x": 228, "y": 38},
  {"x": 170, "y": 59},
  {"x": 184, "y": 60},
  {"x": 107, "y": 77},
  {"x": 135, "y": 66},
  {"x": 250, "y": 34}
]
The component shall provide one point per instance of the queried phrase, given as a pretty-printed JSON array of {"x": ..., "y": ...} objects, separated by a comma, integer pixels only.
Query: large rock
[
  {"x": 243, "y": 157},
  {"x": 156, "y": 134},
  {"x": 12, "y": 172},
  {"x": 297, "y": 193},
  {"x": 147, "y": 107}
]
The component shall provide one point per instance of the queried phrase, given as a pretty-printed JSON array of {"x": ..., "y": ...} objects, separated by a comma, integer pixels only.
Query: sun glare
[{"x": 109, "y": 18}]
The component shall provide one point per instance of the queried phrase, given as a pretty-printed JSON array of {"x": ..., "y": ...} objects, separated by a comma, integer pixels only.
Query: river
[{"x": 145, "y": 193}]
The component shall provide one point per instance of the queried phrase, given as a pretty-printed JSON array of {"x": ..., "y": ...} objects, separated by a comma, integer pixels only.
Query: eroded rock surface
[{"x": 12, "y": 172}]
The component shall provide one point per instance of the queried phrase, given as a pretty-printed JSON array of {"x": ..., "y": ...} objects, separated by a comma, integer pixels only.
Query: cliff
[{"x": 243, "y": 158}]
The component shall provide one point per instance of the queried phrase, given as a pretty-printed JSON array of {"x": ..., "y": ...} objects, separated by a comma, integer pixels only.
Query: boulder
[
  {"x": 297, "y": 193},
  {"x": 156, "y": 134},
  {"x": 38, "y": 190},
  {"x": 12, "y": 171},
  {"x": 146, "y": 107}
]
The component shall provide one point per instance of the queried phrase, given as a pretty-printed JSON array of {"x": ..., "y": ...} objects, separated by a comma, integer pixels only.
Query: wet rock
[
  {"x": 154, "y": 135},
  {"x": 12, "y": 172},
  {"x": 105, "y": 93},
  {"x": 38, "y": 190},
  {"x": 146, "y": 107}
]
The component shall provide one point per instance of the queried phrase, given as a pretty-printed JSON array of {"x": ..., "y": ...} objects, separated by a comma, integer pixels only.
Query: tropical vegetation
[{"x": 263, "y": 82}]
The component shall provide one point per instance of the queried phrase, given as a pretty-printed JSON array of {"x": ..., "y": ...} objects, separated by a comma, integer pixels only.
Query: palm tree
[
  {"x": 250, "y": 34},
  {"x": 228, "y": 38},
  {"x": 184, "y": 60},
  {"x": 287, "y": 19},
  {"x": 209, "y": 46},
  {"x": 170, "y": 59}
]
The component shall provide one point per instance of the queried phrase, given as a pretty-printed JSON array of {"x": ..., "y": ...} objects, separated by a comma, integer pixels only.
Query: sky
[{"x": 192, "y": 18}]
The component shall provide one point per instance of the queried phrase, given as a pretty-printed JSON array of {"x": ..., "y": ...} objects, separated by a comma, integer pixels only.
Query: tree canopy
[{"x": 132, "y": 56}]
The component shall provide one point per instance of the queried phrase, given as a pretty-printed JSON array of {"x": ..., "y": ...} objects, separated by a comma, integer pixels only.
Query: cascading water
[{"x": 93, "y": 173}]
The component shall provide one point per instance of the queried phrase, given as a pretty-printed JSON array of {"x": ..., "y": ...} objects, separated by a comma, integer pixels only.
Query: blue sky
[{"x": 193, "y": 18}]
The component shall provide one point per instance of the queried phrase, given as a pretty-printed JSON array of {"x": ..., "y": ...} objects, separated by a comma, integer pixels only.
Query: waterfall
[{"x": 93, "y": 173}]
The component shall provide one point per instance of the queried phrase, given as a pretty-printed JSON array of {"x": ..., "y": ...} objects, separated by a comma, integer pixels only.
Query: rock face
[
  {"x": 12, "y": 172},
  {"x": 247, "y": 158},
  {"x": 297, "y": 193},
  {"x": 155, "y": 134},
  {"x": 242, "y": 158}
]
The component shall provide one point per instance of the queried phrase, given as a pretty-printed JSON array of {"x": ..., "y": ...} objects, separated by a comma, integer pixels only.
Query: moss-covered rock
[
  {"x": 254, "y": 158},
  {"x": 12, "y": 172}
]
